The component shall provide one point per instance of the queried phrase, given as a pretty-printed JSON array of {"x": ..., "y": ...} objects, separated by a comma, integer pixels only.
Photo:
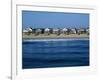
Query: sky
[{"x": 40, "y": 19}]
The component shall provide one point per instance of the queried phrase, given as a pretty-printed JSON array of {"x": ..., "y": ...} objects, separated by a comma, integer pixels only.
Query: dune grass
[{"x": 32, "y": 36}]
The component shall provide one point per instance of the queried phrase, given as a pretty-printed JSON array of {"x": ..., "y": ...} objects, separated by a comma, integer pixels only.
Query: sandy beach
[{"x": 54, "y": 36}]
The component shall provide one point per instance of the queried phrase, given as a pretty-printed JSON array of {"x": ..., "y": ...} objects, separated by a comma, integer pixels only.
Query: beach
[{"x": 54, "y": 36}]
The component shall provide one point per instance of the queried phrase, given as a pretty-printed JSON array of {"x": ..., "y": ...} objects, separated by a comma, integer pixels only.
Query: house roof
[
  {"x": 25, "y": 31},
  {"x": 29, "y": 29},
  {"x": 55, "y": 29},
  {"x": 47, "y": 29},
  {"x": 64, "y": 29}
]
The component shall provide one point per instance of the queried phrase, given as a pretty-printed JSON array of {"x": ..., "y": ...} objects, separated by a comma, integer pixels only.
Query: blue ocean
[{"x": 48, "y": 53}]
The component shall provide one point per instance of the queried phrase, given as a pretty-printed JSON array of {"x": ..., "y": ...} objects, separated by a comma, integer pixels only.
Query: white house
[
  {"x": 47, "y": 31},
  {"x": 56, "y": 31},
  {"x": 25, "y": 31},
  {"x": 65, "y": 31},
  {"x": 29, "y": 29},
  {"x": 81, "y": 31}
]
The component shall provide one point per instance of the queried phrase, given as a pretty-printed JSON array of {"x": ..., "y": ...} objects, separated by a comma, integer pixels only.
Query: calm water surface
[{"x": 55, "y": 53}]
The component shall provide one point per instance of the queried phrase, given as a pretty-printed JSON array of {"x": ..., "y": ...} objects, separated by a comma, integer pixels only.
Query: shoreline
[
  {"x": 71, "y": 36},
  {"x": 49, "y": 39},
  {"x": 57, "y": 38}
]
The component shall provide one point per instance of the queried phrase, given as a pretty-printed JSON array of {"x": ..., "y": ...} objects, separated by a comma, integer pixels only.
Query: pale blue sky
[{"x": 40, "y": 19}]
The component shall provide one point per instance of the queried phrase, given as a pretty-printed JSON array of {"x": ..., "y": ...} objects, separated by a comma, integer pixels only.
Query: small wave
[{"x": 69, "y": 39}]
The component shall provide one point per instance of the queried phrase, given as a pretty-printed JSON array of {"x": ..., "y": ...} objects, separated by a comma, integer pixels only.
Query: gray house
[
  {"x": 73, "y": 31},
  {"x": 38, "y": 31}
]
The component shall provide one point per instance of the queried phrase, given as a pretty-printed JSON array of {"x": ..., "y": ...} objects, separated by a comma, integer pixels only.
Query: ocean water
[{"x": 47, "y": 53}]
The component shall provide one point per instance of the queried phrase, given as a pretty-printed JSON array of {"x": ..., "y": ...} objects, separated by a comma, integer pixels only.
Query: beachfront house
[
  {"x": 87, "y": 31},
  {"x": 29, "y": 29},
  {"x": 25, "y": 32},
  {"x": 33, "y": 31},
  {"x": 56, "y": 31},
  {"x": 38, "y": 31},
  {"x": 46, "y": 31},
  {"x": 65, "y": 31},
  {"x": 73, "y": 31},
  {"x": 81, "y": 31}
]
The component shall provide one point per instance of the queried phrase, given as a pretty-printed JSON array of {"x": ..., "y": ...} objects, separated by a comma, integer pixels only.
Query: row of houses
[{"x": 57, "y": 31}]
